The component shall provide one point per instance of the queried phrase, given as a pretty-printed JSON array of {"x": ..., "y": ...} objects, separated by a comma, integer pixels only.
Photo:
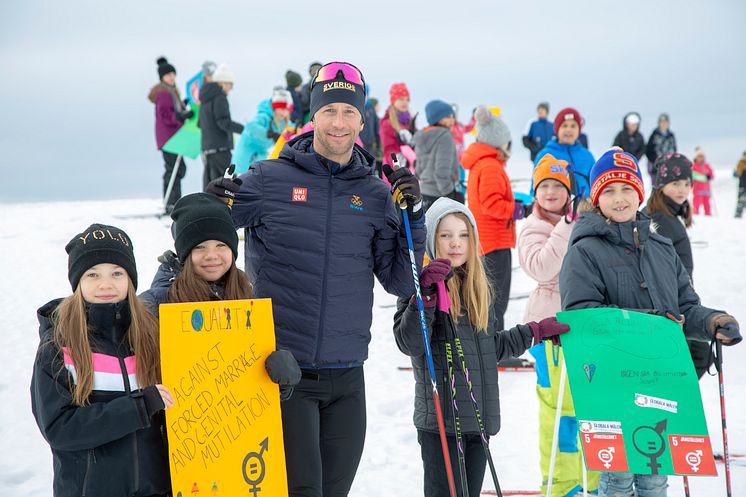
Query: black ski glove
[
  {"x": 225, "y": 188},
  {"x": 727, "y": 326},
  {"x": 282, "y": 368},
  {"x": 405, "y": 189}
]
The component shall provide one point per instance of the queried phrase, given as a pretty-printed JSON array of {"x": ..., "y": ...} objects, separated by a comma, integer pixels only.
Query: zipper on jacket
[
  {"x": 320, "y": 335},
  {"x": 636, "y": 237},
  {"x": 88, "y": 468},
  {"x": 135, "y": 462}
]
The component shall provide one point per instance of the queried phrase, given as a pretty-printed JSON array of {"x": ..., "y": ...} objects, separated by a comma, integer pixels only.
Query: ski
[
  {"x": 735, "y": 459},
  {"x": 526, "y": 367},
  {"x": 146, "y": 215},
  {"x": 512, "y": 492},
  {"x": 519, "y": 295}
]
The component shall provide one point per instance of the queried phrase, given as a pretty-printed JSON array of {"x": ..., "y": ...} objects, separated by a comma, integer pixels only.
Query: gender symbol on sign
[
  {"x": 606, "y": 456},
  {"x": 649, "y": 442},
  {"x": 694, "y": 459},
  {"x": 254, "y": 462}
]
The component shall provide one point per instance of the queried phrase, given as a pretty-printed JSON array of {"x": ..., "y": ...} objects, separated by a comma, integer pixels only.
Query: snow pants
[
  {"x": 621, "y": 485},
  {"x": 568, "y": 469},
  {"x": 701, "y": 201},
  {"x": 215, "y": 166},
  {"x": 741, "y": 201},
  {"x": 497, "y": 264},
  {"x": 323, "y": 425},
  {"x": 169, "y": 162},
  {"x": 436, "y": 481}
]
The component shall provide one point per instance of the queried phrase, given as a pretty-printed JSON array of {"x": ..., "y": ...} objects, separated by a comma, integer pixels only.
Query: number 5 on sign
[{"x": 225, "y": 428}]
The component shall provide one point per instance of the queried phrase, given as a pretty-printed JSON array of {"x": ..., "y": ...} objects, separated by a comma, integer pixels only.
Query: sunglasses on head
[{"x": 331, "y": 71}]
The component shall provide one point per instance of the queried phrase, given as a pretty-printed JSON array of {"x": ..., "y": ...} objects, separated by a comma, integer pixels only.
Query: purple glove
[
  {"x": 431, "y": 274},
  {"x": 519, "y": 211},
  {"x": 548, "y": 328}
]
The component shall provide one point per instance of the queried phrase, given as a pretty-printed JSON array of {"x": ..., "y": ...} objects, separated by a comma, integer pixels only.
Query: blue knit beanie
[
  {"x": 435, "y": 110},
  {"x": 612, "y": 167}
]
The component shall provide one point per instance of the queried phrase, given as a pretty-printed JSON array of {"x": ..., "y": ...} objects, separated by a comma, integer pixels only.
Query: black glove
[
  {"x": 225, "y": 188},
  {"x": 726, "y": 325},
  {"x": 527, "y": 209},
  {"x": 282, "y": 368},
  {"x": 153, "y": 400},
  {"x": 169, "y": 260},
  {"x": 405, "y": 189},
  {"x": 272, "y": 135},
  {"x": 186, "y": 102}
]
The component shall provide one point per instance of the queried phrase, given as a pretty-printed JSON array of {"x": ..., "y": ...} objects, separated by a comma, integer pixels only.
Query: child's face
[
  {"x": 211, "y": 259},
  {"x": 104, "y": 284},
  {"x": 447, "y": 122},
  {"x": 663, "y": 125},
  {"x": 402, "y": 104},
  {"x": 452, "y": 240},
  {"x": 541, "y": 112},
  {"x": 678, "y": 190},
  {"x": 551, "y": 195},
  {"x": 619, "y": 202},
  {"x": 282, "y": 114},
  {"x": 568, "y": 132}
]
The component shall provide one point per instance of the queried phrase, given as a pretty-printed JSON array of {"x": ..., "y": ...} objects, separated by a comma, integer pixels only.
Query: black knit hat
[
  {"x": 671, "y": 167},
  {"x": 164, "y": 67},
  {"x": 337, "y": 90},
  {"x": 199, "y": 217},
  {"x": 99, "y": 244},
  {"x": 293, "y": 79}
]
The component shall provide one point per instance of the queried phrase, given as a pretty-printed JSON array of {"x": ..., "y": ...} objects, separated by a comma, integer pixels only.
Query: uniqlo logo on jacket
[{"x": 300, "y": 194}]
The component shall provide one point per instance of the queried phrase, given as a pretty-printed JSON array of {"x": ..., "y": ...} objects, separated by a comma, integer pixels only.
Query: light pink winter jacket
[{"x": 541, "y": 248}]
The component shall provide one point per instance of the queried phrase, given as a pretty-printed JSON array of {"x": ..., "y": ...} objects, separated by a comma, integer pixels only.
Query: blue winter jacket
[
  {"x": 540, "y": 132},
  {"x": 316, "y": 235},
  {"x": 580, "y": 158},
  {"x": 254, "y": 143}
]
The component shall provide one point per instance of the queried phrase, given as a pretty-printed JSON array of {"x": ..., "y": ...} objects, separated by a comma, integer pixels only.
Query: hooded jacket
[
  {"x": 490, "y": 197},
  {"x": 626, "y": 265},
  {"x": 168, "y": 112},
  {"x": 111, "y": 446},
  {"x": 437, "y": 165},
  {"x": 580, "y": 159},
  {"x": 215, "y": 118},
  {"x": 255, "y": 140},
  {"x": 482, "y": 350},
  {"x": 317, "y": 234},
  {"x": 634, "y": 143},
  {"x": 659, "y": 143}
]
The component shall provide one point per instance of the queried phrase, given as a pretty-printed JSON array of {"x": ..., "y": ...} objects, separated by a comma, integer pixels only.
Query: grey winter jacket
[
  {"x": 482, "y": 351},
  {"x": 626, "y": 265},
  {"x": 437, "y": 165}
]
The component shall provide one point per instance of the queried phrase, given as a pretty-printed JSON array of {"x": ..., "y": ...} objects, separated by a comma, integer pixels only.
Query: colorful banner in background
[
  {"x": 192, "y": 88},
  {"x": 187, "y": 142},
  {"x": 225, "y": 429},
  {"x": 636, "y": 394}
]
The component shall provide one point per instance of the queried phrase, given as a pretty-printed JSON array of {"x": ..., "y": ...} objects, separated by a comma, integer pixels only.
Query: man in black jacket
[{"x": 216, "y": 124}]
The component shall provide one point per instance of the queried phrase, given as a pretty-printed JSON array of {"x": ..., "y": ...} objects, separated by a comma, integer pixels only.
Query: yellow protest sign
[{"x": 225, "y": 428}]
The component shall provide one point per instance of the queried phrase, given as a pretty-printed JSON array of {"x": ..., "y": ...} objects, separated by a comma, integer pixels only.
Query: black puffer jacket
[
  {"x": 626, "y": 265},
  {"x": 634, "y": 143},
  {"x": 110, "y": 447},
  {"x": 673, "y": 228},
  {"x": 215, "y": 119},
  {"x": 482, "y": 352}
]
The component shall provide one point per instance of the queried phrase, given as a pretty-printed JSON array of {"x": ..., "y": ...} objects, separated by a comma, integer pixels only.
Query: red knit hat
[
  {"x": 565, "y": 115},
  {"x": 397, "y": 91}
]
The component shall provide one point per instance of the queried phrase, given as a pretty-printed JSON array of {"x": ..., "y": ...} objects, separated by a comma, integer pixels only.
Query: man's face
[
  {"x": 336, "y": 126},
  {"x": 568, "y": 132}
]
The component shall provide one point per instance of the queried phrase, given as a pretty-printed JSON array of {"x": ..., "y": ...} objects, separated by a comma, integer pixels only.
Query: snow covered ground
[{"x": 33, "y": 265}]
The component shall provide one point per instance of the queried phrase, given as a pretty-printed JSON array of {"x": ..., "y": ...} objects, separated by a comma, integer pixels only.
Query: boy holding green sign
[{"x": 614, "y": 259}]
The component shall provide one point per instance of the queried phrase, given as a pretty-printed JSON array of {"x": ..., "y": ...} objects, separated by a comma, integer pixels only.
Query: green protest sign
[
  {"x": 188, "y": 140},
  {"x": 636, "y": 393}
]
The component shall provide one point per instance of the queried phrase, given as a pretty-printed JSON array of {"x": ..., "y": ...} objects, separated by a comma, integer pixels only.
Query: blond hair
[
  {"x": 72, "y": 331},
  {"x": 190, "y": 287}
]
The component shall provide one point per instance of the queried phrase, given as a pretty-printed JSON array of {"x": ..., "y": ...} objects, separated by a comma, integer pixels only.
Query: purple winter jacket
[{"x": 166, "y": 121}]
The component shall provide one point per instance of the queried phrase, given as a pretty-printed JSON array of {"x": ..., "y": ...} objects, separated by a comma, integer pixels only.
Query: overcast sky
[{"x": 76, "y": 74}]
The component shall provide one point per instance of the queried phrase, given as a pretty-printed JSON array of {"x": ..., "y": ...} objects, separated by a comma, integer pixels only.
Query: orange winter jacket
[{"x": 490, "y": 197}]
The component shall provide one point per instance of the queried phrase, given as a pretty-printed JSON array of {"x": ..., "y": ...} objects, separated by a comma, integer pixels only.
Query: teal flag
[
  {"x": 188, "y": 140},
  {"x": 636, "y": 393}
]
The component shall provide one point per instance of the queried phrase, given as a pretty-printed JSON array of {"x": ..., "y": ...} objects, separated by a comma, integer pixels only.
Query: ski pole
[
  {"x": 726, "y": 453},
  {"x": 475, "y": 407},
  {"x": 426, "y": 339},
  {"x": 456, "y": 421},
  {"x": 555, "y": 436},
  {"x": 171, "y": 181},
  {"x": 686, "y": 486}
]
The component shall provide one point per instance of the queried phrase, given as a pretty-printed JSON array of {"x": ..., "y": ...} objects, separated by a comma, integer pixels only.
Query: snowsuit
[
  {"x": 111, "y": 446},
  {"x": 741, "y": 174},
  {"x": 659, "y": 144},
  {"x": 538, "y": 134},
  {"x": 437, "y": 165},
  {"x": 672, "y": 227},
  {"x": 541, "y": 248},
  {"x": 217, "y": 131},
  {"x": 169, "y": 117},
  {"x": 627, "y": 265},
  {"x": 257, "y": 138},
  {"x": 317, "y": 234},
  {"x": 701, "y": 176},
  {"x": 633, "y": 144},
  {"x": 581, "y": 162},
  {"x": 491, "y": 200},
  {"x": 482, "y": 351}
]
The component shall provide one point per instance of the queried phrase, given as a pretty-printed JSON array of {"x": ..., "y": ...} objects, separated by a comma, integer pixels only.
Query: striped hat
[{"x": 615, "y": 166}]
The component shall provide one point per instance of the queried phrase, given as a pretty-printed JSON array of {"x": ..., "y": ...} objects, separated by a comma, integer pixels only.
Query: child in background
[
  {"x": 629, "y": 138},
  {"x": 452, "y": 241},
  {"x": 740, "y": 173},
  {"x": 204, "y": 269},
  {"x": 397, "y": 124},
  {"x": 701, "y": 176},
  {"x": 542, "y": 246},
  {"x": 437, "y": 164},
  {"x": 95, "y": 389},
  {"x": 613, "y": 253},
  {"x": 669, "y": 209}
]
